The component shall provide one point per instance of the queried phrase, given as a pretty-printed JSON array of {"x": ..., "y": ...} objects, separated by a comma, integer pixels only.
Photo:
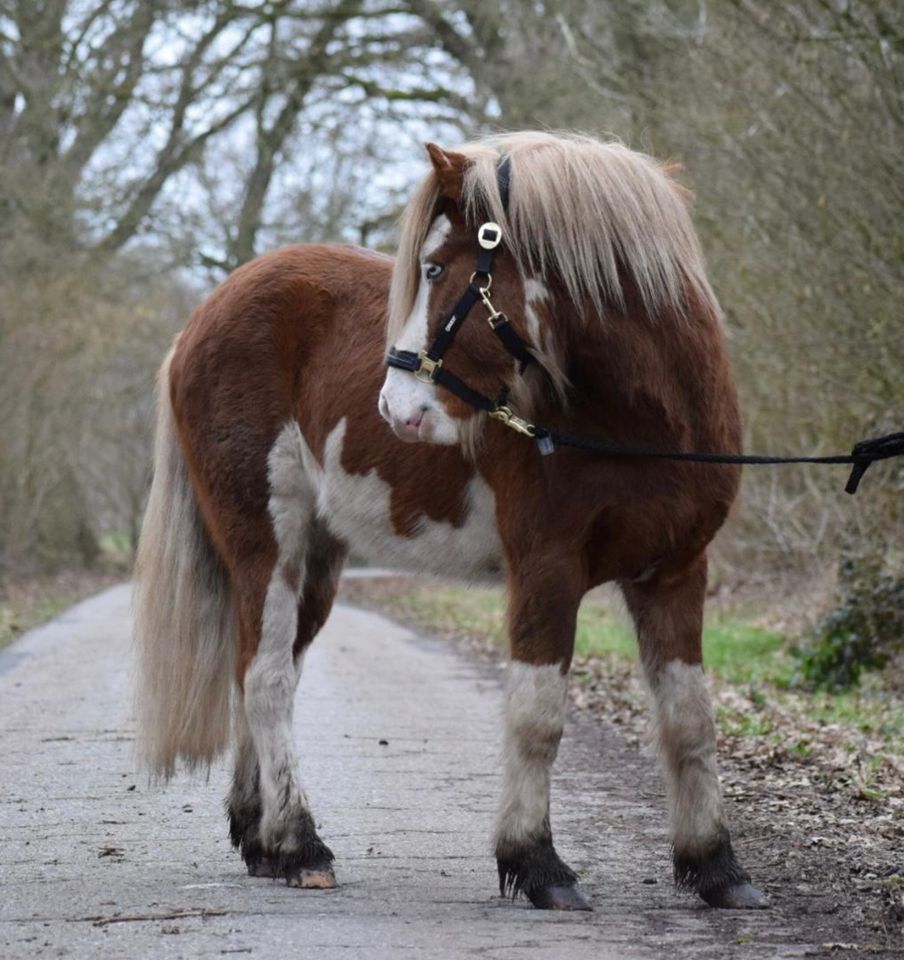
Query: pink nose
[{"x": 414, "y": 421}]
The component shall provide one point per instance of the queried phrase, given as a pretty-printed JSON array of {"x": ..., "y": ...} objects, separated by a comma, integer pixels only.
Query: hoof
[
  {"x": 741, "y": 896},
  {"x": 314, "y": 878},
  {"x": 564, "y": 896},
  {"x": 263, "y": 868}
]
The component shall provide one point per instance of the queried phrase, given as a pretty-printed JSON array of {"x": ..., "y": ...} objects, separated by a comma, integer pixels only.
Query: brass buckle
[
  {"x": 427, "y": 368},
  {"x": 510, "y": 419}
]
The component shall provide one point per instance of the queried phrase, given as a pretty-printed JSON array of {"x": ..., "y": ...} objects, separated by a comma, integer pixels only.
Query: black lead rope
[
  {"x": 428, "y": 366},
  {"x": 863, "y": 456}
]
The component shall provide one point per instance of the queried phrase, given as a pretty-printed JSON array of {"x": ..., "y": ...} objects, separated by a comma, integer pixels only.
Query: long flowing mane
[{"x": 595, "y": 215}]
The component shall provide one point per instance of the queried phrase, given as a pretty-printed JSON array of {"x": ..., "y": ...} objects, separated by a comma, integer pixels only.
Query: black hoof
[
  {"x": 263, "y": 867},
  {"x": 304, "y": 859},
  {"x": 559, "y": 897},
  {"x": 536, "y": 870},
  {"x": 741, "y": 896}
]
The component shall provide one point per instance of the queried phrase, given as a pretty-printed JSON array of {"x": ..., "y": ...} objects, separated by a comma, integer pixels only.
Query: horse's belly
[{"x": 357, "y": 508}]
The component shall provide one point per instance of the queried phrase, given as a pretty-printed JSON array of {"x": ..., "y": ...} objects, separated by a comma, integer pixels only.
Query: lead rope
[{"x": 862, "y": 456}]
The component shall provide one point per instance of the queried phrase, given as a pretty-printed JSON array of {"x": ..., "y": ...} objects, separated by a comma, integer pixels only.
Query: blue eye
[{"x": 432, "y": 270}]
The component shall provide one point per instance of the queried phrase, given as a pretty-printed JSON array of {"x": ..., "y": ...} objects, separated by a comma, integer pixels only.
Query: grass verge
[
  {"x": 752, "y": 667},
  {"x": 27, "y": 602}
]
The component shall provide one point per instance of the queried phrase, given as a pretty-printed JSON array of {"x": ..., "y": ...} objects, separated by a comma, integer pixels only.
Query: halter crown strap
[{"x": 504, "y": 179}]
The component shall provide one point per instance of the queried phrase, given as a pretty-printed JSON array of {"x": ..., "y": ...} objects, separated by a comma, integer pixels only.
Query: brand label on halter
[{"x": 489, "y": 235}]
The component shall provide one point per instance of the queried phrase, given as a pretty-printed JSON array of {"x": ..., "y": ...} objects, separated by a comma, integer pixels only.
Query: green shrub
[{"x": 862, "y": 633}]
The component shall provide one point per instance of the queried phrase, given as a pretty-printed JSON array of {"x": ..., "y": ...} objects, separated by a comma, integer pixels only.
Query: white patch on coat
[
  {"x": 687, "y": 744},
  {"x": 356, "y": 508},
  {"x": 272, "y": 675},
  {"x": 403, "y": 395},
  {"x": 535, "y": 699},
  {"x": 534, "y": 292},
  {"x": 538, "y": 307}
]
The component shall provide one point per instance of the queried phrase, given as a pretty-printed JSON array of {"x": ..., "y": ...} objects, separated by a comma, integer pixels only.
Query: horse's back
[{"x": 281, "y": 304}]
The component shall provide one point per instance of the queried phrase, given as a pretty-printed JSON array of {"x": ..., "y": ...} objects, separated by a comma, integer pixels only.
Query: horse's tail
[{"x": 184, "y": 622}]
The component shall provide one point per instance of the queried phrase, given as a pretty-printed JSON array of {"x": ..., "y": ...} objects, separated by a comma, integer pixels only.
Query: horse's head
[{"x": 443, "y": 240}]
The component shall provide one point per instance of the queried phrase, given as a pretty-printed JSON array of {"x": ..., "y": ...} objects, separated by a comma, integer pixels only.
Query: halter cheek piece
[{"x": 428, "y": 364}]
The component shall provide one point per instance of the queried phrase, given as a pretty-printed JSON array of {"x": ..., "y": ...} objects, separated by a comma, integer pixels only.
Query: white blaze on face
[{"x": 405, "y": 399}]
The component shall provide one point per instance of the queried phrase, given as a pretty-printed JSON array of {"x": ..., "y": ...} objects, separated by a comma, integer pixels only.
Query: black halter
[{"x": 428, "y": 364}]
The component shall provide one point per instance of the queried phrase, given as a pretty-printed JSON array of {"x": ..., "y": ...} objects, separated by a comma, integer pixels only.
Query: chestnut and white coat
[{"x": 283, "y": 441}]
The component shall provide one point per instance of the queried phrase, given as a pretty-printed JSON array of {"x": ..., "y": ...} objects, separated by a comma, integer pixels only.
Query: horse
[{"x": 283, "y": 440}]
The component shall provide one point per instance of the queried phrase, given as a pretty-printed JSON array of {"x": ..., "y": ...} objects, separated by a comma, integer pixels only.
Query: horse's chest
[{"x": 363, "y": 509}]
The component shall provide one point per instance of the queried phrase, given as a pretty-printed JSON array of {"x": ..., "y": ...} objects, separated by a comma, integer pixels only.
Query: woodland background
[{"x": 147, "y": 148}]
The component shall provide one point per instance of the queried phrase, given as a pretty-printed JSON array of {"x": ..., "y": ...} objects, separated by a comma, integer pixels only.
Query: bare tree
[
  {"x": 102, "y": 104},
  {"x": 119, "y": 121}
]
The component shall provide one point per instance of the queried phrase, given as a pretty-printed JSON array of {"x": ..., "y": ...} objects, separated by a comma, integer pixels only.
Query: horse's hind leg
[
  {"x": 668, "y": 615},
  {"x": 324, "y": 558},
  {"x": 243, "y": 805},
  {"x": 296, "y": 602}
]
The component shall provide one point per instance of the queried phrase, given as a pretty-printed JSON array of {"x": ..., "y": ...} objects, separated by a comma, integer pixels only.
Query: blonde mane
[{"x": 585, "y": 212}]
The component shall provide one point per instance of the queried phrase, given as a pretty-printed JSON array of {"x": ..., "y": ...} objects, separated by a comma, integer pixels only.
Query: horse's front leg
[
  {"x": 668, "y": 614},
  {"x": 542, "y": 616}
]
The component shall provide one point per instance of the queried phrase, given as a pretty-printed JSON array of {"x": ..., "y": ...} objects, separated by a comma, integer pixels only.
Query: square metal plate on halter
[
  {"x": 489, "y": 236},
  {"x": 426, "y": 369}
]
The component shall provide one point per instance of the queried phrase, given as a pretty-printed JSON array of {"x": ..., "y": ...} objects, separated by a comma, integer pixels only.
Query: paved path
[{"x": 94, "y": 862}]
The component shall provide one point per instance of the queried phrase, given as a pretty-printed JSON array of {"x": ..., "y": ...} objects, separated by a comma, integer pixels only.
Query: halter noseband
[{"x": 428, "y": 364}]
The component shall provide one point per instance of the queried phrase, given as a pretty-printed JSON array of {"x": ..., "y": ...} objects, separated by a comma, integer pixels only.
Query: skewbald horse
[{"x": 282, "y": 441}]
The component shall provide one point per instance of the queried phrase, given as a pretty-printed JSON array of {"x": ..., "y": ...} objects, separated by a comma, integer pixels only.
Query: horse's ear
[{"x": 450, "y": 169}]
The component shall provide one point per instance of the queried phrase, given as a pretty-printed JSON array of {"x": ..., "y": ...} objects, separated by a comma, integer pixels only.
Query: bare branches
[
  {"x": 174, "y": 83},
  {"x": 272, "y": 137},
  {"x": 111, "y": 86}
]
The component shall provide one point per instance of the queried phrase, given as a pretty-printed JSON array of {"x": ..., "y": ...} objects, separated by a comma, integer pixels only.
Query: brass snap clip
[{"x": 504, "y": 414}]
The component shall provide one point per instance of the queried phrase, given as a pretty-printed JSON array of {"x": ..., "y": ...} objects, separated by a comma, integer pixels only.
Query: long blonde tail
[{"x": 184, "y": 622}]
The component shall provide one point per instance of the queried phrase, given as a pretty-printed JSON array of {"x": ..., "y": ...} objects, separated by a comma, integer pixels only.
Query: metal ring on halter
[{"x": 489, "y": 282}]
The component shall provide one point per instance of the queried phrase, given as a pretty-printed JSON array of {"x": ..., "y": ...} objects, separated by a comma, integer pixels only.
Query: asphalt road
[{"x": 95, "y": 862}]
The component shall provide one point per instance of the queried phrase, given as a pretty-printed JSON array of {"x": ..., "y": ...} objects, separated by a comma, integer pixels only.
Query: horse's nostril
[
  {"x": 383, "y": 407},
  {"x": 415, "y": 419}
]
